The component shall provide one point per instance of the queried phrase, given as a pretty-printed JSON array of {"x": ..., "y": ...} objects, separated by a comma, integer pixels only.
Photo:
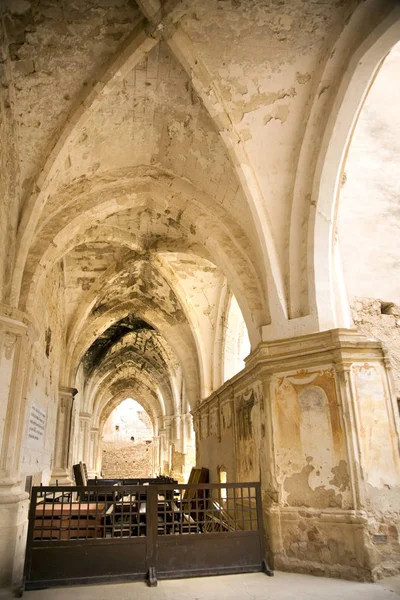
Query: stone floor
[{"x": 255, "y": 586}]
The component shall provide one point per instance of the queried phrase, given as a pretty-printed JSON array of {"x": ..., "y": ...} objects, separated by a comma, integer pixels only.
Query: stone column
[
  {"x": 177, "y": 432},
  {"x": 99, "y": 455},
  {"x": 62, "y": 447},
  {"x": 163, "y": 452},
  {"x": 93, "y": 452},
  {"x": 84, "y": 441},
  {"x": 156, "y": 456},
  {"x": 16, "y": 339},
  {"x": 186, "y": 446}
]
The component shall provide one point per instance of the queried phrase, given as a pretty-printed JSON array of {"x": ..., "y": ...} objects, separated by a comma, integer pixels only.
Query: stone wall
[
  {"x": 127, "y": 459},
  {"x": 42, "y": 392},
  {"x": 215, "y": 441},
  {"x": 127, "y": 442},
  {"x": 381, "y": 319}
]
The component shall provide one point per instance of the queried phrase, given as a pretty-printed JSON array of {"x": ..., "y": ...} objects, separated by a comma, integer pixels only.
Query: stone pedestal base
[
  {"x": 14, "y": 505},
  {"x": 61, "y": 477},
  {"x": 327, "y": 542},
  {"x": 345, "y": 544}
]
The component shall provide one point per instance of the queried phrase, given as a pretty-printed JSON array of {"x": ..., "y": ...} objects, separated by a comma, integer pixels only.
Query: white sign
[{"x": 36, "y": 426}]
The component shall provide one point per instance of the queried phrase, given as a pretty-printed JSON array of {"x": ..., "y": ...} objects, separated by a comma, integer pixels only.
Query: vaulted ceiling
[{"x": 164, "y": 155}]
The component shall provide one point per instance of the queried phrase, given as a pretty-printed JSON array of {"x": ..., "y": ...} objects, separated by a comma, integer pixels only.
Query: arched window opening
[
  {"x": 368, "y": 212},
  {"x": 368, "y": 209},
  {"x": 127, "y": 442},
  {"x": 236, "y": 341}
]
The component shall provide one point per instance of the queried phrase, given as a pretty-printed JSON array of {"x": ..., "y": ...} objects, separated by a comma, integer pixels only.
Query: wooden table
[{"x": 76, "y": 520}]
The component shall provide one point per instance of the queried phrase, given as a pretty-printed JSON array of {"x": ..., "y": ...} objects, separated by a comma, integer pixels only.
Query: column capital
[
  {"x": 17, "y": 322},
  {"x": 343, "y": 367},
  {"x": 67, "y": 391},
  {"x": 84, "y": 416}
]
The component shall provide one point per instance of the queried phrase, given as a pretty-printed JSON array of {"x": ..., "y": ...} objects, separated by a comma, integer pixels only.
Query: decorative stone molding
[{"x": 9, "y": 341}]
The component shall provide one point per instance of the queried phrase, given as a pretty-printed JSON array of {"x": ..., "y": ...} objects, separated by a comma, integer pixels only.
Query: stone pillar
[
  {"x": 156, "y": 456},
  {"x": 93, "y": 452},
  {"x": 84, "y": 437},
  {"x": 163, "y": 452},
  {"x": 16, "y": 339},
  {"x": 185, "y": 458},
  {"x": 186, "y": 431},
  {"x": 177, "y": 432},
  {"x": 63, "y": 442},
  {"x": 99, "y": 455}
]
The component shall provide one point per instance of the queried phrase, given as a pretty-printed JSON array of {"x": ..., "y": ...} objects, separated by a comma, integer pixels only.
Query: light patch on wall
[
  {"x": 128, "y": 420},
  {"x": 378, "y": 451},
  {"x": 236, "y": 343}
]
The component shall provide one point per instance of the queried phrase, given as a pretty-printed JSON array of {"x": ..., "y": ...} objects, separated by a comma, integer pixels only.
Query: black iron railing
[{"x": 126, "y": 531}]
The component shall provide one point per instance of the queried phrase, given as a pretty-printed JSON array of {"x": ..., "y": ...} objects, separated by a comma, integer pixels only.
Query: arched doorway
[{"x": 127, "y": 442}]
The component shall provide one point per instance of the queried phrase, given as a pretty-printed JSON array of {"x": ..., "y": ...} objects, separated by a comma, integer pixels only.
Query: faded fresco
[
  {"x": 308, "y": 437},
  {"x": 247, "y": 436},
  {"x": 377, "y": 435}
]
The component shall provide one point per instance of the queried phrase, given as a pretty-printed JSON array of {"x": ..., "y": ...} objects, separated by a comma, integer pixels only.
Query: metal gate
[{"x": 108, "y": 533}]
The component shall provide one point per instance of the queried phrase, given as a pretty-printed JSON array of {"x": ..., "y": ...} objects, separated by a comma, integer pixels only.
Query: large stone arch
[
  {"x": 138, "y": 44},
  {"x": 113, "y": 368},
  {"x": 327, "y": 302},
  {"x": 178, "y": 338},
  {"x": 227, "y": 244},
  {"x": 135, "y": 47},
  {"x": 128, "y": 377},
  {"x": 104, "y": 410},
  {"x": 109, "y": 404}
]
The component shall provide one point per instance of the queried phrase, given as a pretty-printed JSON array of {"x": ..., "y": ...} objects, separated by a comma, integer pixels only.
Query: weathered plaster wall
[
  {"x": 215, "y": 439},
  {"x": 330, "y": 500},
  {"x": 49, "y": 44},
  {"x": 309, "y": 439},
  {"x": 377, "y": 319},
  {"x": 9, "y": 173},
  {"x": 265, "y": 81},
  {"x": 42, "y": 392}
]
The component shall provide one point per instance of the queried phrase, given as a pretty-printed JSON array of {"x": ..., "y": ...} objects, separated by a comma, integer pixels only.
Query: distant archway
[{"x": 127, "y": 442}]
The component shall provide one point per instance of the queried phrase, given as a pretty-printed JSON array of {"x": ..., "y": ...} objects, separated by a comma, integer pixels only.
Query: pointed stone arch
[{"x": 343, "y": 85}]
